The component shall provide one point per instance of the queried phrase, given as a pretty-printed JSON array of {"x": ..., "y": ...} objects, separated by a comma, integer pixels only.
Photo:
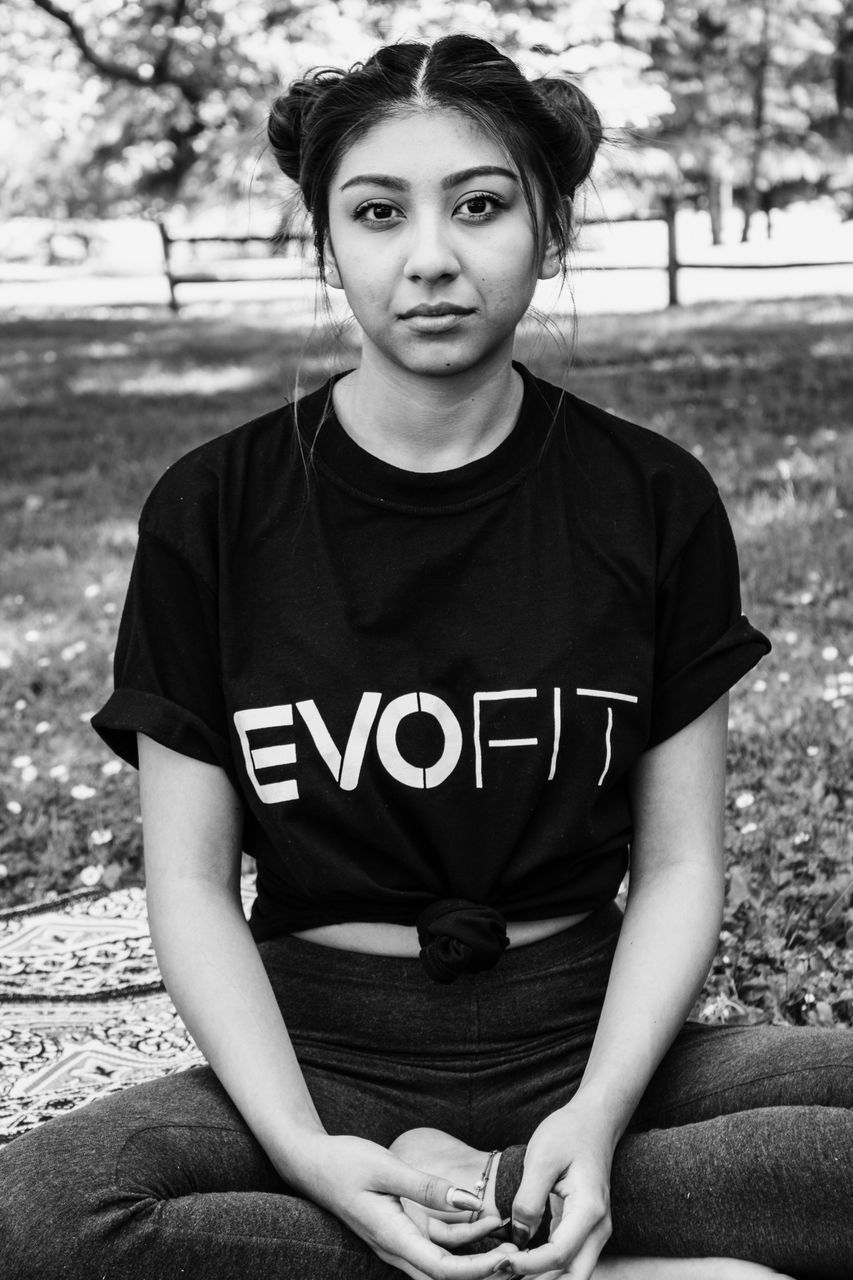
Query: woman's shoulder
[
  {"x": 622, "y": 455},
  {"x": 248, "y": 463}
]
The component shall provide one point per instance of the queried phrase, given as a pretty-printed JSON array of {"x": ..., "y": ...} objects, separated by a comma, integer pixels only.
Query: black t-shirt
[{"x": 429, "y": 686}]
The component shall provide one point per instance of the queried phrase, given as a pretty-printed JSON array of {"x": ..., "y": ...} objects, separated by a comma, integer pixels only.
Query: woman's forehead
[{"x": 422, "y": 145}]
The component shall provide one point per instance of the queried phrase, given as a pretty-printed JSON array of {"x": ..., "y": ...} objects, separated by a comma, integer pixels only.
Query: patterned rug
[{"x": 83, "y": 1011}]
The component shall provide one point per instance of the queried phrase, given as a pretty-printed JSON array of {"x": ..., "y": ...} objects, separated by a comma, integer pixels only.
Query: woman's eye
[
  {"x": 481, "y": 206},
  {"x": 376, "y": 211}
]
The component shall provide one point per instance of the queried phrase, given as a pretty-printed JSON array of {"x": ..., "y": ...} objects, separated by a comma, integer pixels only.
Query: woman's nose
[{"x": 430, "y": 255}]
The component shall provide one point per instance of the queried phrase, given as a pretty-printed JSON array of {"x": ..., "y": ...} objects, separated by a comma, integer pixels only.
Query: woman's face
[{"x": 430, "y": 237}]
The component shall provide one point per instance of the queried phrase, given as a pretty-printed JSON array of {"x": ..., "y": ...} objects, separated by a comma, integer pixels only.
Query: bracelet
[{"x": 480, "y": 1187}]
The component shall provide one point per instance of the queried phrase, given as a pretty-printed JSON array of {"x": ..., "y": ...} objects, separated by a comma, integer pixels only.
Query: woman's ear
[
  {"x": 550, "y": 264},
  {"x": 333, "y": 275}
]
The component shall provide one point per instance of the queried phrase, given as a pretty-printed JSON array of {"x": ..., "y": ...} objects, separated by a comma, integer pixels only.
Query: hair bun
[
  {"x": 578, "y": 119},
  {"x": 289, "y": 115}
]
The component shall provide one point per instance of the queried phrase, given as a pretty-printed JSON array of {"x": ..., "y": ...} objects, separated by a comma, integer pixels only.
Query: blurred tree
[
  {"x": 118, "y": 103},
  {"x": 128, "y": 105},
  {"x": 843, "y": 73},
  {"x": 752, "y": 85}
]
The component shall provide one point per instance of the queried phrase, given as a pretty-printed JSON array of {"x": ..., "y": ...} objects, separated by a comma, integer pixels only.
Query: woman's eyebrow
[{"x": 452, "y": 179}]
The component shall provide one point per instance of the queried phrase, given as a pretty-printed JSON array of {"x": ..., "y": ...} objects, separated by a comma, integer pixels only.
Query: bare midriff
[{"x": 379, "y": 938}]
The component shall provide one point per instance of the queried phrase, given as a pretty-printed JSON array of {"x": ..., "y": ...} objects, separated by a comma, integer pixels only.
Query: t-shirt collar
[{"x": 344, "y": 461}]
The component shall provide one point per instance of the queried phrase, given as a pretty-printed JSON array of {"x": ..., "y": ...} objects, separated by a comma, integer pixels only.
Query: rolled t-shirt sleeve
[
  {"x": 703, "y": 642},
  {"x": 167, "y": 670}
]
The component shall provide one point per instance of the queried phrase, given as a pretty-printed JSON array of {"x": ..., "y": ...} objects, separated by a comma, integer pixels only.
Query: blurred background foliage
[{"x": 128, "y": 107}]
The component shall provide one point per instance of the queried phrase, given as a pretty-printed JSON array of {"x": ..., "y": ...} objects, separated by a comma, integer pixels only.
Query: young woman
[{"x": 437, "y": 645}]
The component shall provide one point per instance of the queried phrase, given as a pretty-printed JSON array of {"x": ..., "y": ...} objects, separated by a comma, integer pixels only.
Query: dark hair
[{"x": 548, "y": 127}]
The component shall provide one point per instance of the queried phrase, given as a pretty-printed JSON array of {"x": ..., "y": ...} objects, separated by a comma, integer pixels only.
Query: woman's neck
[{"x": 424, "y": 423}]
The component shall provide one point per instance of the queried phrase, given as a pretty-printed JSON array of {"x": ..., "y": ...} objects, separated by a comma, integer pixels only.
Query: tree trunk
[
  {"x": 751, "y": 196},
  {"x": 719, "y": 194}
]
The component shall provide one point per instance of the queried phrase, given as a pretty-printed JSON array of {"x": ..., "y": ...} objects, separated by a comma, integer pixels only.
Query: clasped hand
[
  {"x": 363, "y": 1184},
  {"x": 567, "y": 1163}
]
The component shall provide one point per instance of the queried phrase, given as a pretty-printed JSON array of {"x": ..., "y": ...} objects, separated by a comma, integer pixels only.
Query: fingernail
[
  {"x": 459, "y": 1198},
  {"x": 506, "y": 1222},
  {"x": 502, "y": 1267},
  {"x": 520, "y": 1234}
]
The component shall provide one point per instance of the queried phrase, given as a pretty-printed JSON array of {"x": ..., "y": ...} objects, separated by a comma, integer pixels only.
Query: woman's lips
[{"x": 435, "y": 319}]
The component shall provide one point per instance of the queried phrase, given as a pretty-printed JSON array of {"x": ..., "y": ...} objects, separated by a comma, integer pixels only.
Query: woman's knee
[
  {"x": 53, "y": 1183},
  {"x": 86, "y": 1184}
]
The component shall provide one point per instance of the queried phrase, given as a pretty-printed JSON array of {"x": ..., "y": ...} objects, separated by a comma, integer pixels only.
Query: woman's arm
[
  {"x": 192, "y": 825},
  {"x": 213, "y": 972},
  {"x": 666, "y": 945}
]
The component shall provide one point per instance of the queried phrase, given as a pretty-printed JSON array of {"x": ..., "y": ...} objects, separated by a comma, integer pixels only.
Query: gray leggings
[{"x": 742, "y": 1145}]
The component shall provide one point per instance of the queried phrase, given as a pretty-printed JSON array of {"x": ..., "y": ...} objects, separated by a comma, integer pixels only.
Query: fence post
[
  {"x": 670, "y": 208},
  {"x": 167, "y": 258}
]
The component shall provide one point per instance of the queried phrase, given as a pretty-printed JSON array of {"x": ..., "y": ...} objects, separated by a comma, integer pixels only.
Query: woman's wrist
[
  {"x": 593, "y": 1107},
  {"x": 296, "y": 1151}
]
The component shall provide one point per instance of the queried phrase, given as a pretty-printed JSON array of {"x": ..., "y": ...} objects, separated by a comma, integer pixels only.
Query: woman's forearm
[
  {"x": 214, "y": 975},
  {"x": 668, "y": 938}
]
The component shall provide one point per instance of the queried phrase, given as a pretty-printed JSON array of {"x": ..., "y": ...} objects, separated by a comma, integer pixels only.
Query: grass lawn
[{"x": 762, "y": 392}]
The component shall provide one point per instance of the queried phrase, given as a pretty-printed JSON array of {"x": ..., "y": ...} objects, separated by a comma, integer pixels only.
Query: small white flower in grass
[
  {"x": 4, "y": 871},
  {"x": 802, "y": 837},
  {"x": 760, "y": 686},
  {"x": 812, "y": 751},
  {"x": 92, "y": 590},
  {"x": 784, "y": 677},
  {"x": 111, "y": 767},
  {"x": 60, "y": 772},
  {"x": 31, "y": 636},
  {"x": 805, "y": 597},
  {"x": 21, "y": 762},
  {"x": 829, "y": 653},
  {"x": 830, "y": 693},
  {"x": 85, "y": 716},
  {"x": 71, "y": 651},
  {"x": 29, "y": 774},
  {"x": 91, "y": 875},
  {"x": 82, "y": 792},
  {"x": 838, "y": 704},
  {"x": 13, "y": 806},
  {"x": 110, "y": 607},
  {"x": 102, "y": 835},
  {"x": 744, "y": 800},
  {"x": 748, "y": 828},
  {"x": 43, "y": 662},
  {"x": 21, "y": 704},
  {"x": 43, "y": 726},
  {"x": 5, "y": 660}
]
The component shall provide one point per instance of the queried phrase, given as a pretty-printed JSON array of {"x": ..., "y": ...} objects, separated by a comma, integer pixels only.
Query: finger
[
  {"x": 530, "y": 1200},
  {"x": 421, "y": 1255},
  {"x": 420, "y": 1214},
  {"x": 428, "y": 1189},
  {"x": 580, "y": 1222},
  {"x": 585, "y": 1261},
  {"x": 452, "y": 1235}
]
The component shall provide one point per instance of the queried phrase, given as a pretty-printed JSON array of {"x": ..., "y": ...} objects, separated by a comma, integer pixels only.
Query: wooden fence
[
  {"x": 667, "y": 213},
  {"x": 209, "y": 274}
]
